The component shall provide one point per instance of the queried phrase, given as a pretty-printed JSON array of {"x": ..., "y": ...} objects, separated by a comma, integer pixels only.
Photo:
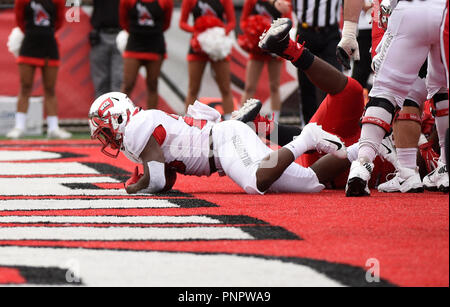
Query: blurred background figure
[
  {"x": 361, "y": 69},
  {"x": 197, "y": 60},
  {"x": 257, "y": 15},
  {"x": 38, "y": 20},
  {"x": 318, "y": 29},
  {"x": 145, "y": 21},
  {"x": 106, "y": 60}
]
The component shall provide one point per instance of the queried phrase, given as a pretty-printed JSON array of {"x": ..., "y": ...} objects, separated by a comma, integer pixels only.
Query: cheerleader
[
  {"x": 38, "y": 20},
  {"x": 197, "y": 60},
  {"x": 268, "y": 10},
  {"x": 145, "y": 21}
]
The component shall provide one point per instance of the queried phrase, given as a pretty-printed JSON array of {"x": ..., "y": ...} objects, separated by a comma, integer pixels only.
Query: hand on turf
[{"x": 130, "y": 184}]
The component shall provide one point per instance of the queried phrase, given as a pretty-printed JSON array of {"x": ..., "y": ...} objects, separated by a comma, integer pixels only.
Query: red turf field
[{"x": 69, "y": 197}]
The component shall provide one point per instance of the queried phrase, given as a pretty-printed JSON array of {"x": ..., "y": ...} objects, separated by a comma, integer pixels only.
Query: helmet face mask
[{"x": 108, "y": 117}]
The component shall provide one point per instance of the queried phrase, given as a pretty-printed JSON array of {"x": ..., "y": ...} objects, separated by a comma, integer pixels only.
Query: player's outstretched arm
[{"x": 153, "y": 180}]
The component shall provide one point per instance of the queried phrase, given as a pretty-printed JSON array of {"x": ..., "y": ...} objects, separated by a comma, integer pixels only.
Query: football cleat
[
  {"x": 15, "y": 133},
  {"x": 324, "y": 142},
  {"x": 388, "y": 152},
  {"x": 358, "y": 179},
  {"x": 276, "y": 40},
  {"x": 405, "y": 180},
  {"x": 437, "y": 180},
  {"x": 59, "y": 134},
  {"x": 248, "y": 112}
]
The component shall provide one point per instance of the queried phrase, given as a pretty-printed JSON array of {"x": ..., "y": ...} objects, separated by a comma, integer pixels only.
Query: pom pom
[
  {"x": 252, "y": 29},
  {"x": 215, "y": 43},
  {"x": 210, "y": 38},
  {"x": 15, "y": 40},
  {"x": 122, "y": 40}
]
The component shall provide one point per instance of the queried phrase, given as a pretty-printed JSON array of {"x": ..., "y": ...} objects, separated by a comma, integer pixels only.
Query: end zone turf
[{"x": 63, "y": 212}]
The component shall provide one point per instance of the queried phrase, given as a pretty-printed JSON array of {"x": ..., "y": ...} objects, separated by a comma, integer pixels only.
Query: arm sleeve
[
  {"x": 186, "y": 8},
  {"x": 60, "y": 12},
  {"x": 19, "y": 10},
  {"x": 230, "y": 15},
  {"x": 167, "y": 6},
  {"x": 124, "y": 7},
  {"x": 246, "y": 10}
]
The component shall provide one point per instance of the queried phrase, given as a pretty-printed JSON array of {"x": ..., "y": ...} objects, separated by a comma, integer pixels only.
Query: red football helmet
[{"x": 108, "y": 117}]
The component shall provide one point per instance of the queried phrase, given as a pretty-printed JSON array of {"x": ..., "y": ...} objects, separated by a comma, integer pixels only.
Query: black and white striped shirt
[{"x": 318, "y": 13}]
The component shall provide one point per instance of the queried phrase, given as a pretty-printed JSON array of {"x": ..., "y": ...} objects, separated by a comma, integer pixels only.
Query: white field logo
[{"x": 73, "y": 13}]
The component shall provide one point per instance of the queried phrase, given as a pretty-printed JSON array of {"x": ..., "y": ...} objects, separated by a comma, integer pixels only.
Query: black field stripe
[
  {"x": 316, "y": 13},
  {"x": 336, "y": 9},
  {"x": 178, "y": 92},
  {"x": 305, "y": 9},
  {"x": 328, "y": 13}
]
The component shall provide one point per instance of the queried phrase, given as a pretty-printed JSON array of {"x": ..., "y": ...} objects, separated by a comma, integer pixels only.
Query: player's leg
[
  {"x": 407, "y": 131},
  {"x": 153, "y": 71},
  {"x": 394, "y": 79},
  {"x": 321, "y": 74},
  {"x": 256, "y": 168},
  {"x": 26, "y": 73}
]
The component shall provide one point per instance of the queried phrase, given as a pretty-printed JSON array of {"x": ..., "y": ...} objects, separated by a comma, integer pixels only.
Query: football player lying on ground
[{"x": 165, "y": 143}]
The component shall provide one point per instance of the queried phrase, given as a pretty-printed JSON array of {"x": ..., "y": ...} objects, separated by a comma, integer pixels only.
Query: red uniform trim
[
  {"x": 188, "y": 5},
  {"x": 191, "y": 57},
  {"x": 441, "y": 113},
  {"x": 409, "y": 116},
  {"x": 37, "y": 61},
  {"x": 160, "y": 134},
  {"x": 147, "y": 56}
]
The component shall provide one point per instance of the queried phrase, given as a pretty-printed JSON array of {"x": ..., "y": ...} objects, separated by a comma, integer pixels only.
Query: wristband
[
  {"x": 157, "y": 180},
  {"x": 350, "y": 28}
]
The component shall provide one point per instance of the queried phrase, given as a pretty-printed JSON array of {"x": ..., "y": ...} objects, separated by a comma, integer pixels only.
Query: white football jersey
[{"x": 183, "y": 140}]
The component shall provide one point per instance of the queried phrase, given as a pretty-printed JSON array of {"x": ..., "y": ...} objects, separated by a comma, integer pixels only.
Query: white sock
[
  {"x": 52, "y": 123},
  {"x": 21, "y": 120},
  {"x": 372, "y": 135},
  {"x": 441, "y": 126},
  {"x": 352, "y": 152},
  {"x": 371, "y": 138},
  {"x": 298, "y": 146},
  {"x": 227, "y": 116},
  {"x": 407, "y": 157}
]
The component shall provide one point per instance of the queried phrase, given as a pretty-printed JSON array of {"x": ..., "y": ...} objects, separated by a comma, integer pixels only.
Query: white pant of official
[
  {"x": 239, "y": 151},
  {"x": 413, "y": 34}
]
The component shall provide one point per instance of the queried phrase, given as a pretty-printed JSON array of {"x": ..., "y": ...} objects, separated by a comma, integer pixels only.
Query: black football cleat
[{"x": 276, "y": 40}]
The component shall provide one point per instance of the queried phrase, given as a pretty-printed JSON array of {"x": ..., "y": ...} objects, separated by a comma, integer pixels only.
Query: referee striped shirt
[{"x": 318, "y": 13}]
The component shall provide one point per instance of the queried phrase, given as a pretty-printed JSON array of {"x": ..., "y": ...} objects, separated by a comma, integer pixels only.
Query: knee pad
[
  {"x": 408, "y": 116},
  {"x": 440, "y": 104},
  {"x": 379, "y": 112}
]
